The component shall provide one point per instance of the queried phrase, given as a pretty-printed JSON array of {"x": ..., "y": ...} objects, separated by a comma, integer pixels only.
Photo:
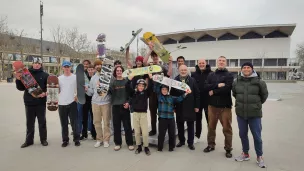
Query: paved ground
[{"x": 282, "y": 136}]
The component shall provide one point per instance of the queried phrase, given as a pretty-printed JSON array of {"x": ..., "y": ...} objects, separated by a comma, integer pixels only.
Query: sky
[{"x": 117, "y": 18}]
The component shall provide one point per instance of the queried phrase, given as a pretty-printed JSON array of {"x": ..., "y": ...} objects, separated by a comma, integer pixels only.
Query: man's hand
[
  {"x": 42, "y": 95},
  {"x": 150, "y": 75},
  {"x": 188, "y": 91},
  {"x": 98, "y": 83},
  {"x": 221, "y": 85},
  {"x": 18, "y": 76},
  {"x": 170, "y": 59},
  {"x": 196, "y": 109},
  {"x": 126, "y": 105},
  {"x": 75, "y": 99},
  {"x": 211, "y": 93},
  {"x": 86, "y": 88},
  {"x": 151, "y": 45},
  {"x": 131, "y": 76}
]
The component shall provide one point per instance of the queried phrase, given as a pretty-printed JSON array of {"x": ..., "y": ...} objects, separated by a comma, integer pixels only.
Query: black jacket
[
  {"x": 41, "y": 78},
  {"x": 200, "y": 78},
  {"x": 185, "y": 109},
  {"x": 88, "y": 98},
  {"x": 221, "y": 97},
  {"x": 139, "y": 100}
]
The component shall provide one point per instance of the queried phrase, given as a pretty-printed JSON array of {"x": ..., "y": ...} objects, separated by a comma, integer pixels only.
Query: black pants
[
  {"x": 181, "y": 132},
  {"x": 153, "y": 110},
  {"x": 31, "y": 113},
  {"x": 163, "y": 126},
  {"x": 199, "y": 117},
  {"x": 66, "y": 112},
  {"x": 120, "y": 114},
  {"x": 86, "y": 108}
]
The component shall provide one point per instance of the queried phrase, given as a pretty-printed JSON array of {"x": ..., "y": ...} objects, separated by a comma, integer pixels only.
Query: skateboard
[
  {"x": 170, "y": 82},
  {"x": 101, "y": 45},
  {"x": 134, "y": 34},
  {"x": 53, "y": 91},
  {"x": 105, "y": 75},
  {"x": 80, "y": 84},
  {"x": 142, "y": 70},
  {"x": 158, "y": 48},
  {"x": 27, "y": 78}
]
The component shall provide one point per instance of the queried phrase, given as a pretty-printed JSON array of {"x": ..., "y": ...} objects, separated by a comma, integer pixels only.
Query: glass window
[
  {"x": 192, "y": 63},
  {"x": 257, "y": 62},
  {"x": 270, "y": 62},
  {"x": 281, "y": 75},
  {"x": 212, "y": 63},
  {"x": 233, "y": 63},
  {"x": 242, "y": 61},
  {"x": 282, "y": 62}
]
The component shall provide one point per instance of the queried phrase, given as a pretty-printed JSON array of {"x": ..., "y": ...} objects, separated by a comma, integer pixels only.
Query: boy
[
  {"x": 166, "y": 115},
  {"x": 139, "y": 103}
]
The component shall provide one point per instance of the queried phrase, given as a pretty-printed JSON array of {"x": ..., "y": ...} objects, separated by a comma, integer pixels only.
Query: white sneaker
[
  {"x": 98, "y": 144},
  {"x": 106, "y": 144},
  {"x": 196, "y": 140}
]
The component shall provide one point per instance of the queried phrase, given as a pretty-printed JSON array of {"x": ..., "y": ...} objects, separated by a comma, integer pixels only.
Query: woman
[{"x": 120, "y": 90}]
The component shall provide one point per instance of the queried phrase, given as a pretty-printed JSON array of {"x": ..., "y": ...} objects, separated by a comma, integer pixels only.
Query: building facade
[{"x": 267, "y": 47}]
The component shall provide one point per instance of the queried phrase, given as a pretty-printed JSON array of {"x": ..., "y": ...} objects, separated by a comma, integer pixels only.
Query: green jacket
[{"x": 250, "y": 93}]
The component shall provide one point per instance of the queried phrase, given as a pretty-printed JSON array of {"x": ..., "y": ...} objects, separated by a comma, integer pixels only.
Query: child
[
  {"x": 166, "y": 115},
  {"x": 139, "y": 103}
]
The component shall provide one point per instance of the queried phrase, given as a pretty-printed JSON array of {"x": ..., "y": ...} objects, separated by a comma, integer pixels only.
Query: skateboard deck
[
  {"x": 158, "y": 48},
  {"x": 80, "y": 84},
  {"x": 53, "y": 91},
  {"x": 101, "y": 45},
  {"x": 27, "y": 79},
  {"x": 105, "y": 75},
  {"x": 134, "y": 34},
  {"x": 170, "y": 82},
  {"x": 142, "y": 70}
]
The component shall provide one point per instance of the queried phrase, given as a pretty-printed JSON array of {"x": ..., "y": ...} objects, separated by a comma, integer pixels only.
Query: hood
[
  {"x": 208, "y": 69},
  {"x": 32, "y": 70},
  {"x": 254, "y": 74}
]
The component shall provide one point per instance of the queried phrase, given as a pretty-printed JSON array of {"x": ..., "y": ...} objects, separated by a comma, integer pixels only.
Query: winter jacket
[
  {"x": 139, "y": 100},
  {"x": 250, "y": 93},
  {"x": 200, "y": 78},
  {"x": 185, "y": 109},
  {"x": 41, "y": 78},
  {"x": 221, "y": 97},
  {"x": 92, "y": 91},
  {"x": 166, "y": 102},
  {"x": 88, "y": 98}
]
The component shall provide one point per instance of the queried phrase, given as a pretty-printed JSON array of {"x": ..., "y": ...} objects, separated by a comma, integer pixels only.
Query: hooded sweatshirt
[
  {"x": 41, "y": 78},
  {"x": 92, "y": 91}
]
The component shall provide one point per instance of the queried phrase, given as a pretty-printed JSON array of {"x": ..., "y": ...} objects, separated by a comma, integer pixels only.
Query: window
[
  {"x": 228, "y": 36},
  {"x": 276, "y": 34},
  {"x": 170, "y": 41},
  {"x": 233, "y": 63},
  {"x": 190, "y": 63},
  {"x": 282, "y": 62},
  {"x": 206, "y": 38},
  {"x": 270, "y": 62},
  {"x": 242, "y": 61},
  {"x": 257, "y": 62},
  {"x": 270, "y": 76},
  {"x": 187, "y": 39},
  {"x": 281, "y": 75},
  {"x": 212, "y": 63},
  {"x": 251, "y": 35}
]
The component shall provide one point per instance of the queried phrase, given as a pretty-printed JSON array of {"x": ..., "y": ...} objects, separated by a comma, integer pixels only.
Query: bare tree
[
  {"x": 300, "y": 55},
  {"x": 59, "y": 38}
]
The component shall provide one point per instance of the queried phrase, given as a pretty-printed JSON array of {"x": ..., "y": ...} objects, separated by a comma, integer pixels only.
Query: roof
[{"x": 239, "y": 31}]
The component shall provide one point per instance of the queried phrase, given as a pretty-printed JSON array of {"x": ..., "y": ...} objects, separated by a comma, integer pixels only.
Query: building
[{"x": 266, "y": 46}]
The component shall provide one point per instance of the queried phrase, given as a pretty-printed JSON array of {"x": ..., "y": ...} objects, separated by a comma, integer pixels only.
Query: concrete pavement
[{"x": 282, "y": 137}]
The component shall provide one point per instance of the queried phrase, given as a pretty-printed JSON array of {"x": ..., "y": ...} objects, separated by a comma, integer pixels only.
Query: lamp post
[{"x": 41, "y": 14}]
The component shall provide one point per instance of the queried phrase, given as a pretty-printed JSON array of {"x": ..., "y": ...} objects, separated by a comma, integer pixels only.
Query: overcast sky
[{"x": 117, "y": 18}]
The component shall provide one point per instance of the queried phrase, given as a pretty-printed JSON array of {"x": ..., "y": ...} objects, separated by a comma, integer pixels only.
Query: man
[
  {"x": 101, "y": 109},
  {"x": 219, "y": 84},
  {"x": 175, "y": 70},
  {"x": 83, "y": 110},
  {"x": 200, "y": 75},
  {"x": 186, "y": 110},
  {"x": 250, "y": 93},
  {"x": 35, "y": 106},
  {"x": 67, "y": 104},
  {"x": 91, "y": 128},
  {"x": 167, "y": 71}
]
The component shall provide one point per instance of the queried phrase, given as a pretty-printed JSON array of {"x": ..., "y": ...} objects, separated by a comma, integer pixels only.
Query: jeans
[{"x": 255, "y": 126}]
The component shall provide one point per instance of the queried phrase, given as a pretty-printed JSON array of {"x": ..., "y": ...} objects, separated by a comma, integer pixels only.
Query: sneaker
[
  {"x": 138, "y": 150},
  {"x": 171, "y": 149},
  {"x": 117, "y": 147},
  {"x": 208, "y": 149},
  {"x": 123, "y": 133},
  {"x": 228, "y": 154},
  {"x": 260, "y": 162},
  {"x": 106, "y": 144},
  {"x": 131, "y": 147},
  {"x": 26, "y": 144},
  {"x": 243, "y": 157},
  {"x": 147, "y": 151},
  {"x": 151, "y": 133},
  {"x": 196, "y": 140},
  {"x": 83, "y": 138},
  {"x": 64, "y": 144},
  {"x": 77, "y": 143},
  {"x": 44, "y": 143},
  {"x": 98, "y": 144}
]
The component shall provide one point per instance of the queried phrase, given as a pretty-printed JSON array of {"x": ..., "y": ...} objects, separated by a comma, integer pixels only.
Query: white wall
[{"x": 234, "y": 49}]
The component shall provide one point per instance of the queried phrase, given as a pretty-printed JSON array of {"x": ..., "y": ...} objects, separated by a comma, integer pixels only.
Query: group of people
[{"x": 210, "y": 91}]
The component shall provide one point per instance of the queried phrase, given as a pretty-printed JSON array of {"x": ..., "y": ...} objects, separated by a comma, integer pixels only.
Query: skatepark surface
[{"x": 283, "y": 142}]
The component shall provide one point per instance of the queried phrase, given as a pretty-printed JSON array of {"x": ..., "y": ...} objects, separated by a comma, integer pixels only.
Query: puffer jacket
[{"x": 250, "y": 93}]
